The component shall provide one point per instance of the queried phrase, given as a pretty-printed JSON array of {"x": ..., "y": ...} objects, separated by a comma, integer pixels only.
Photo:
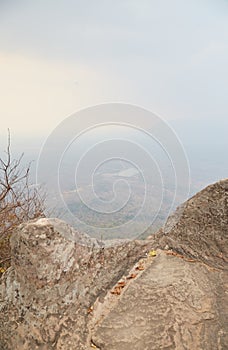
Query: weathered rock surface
[
  {"x": 66, "y": 291},
  {"x": 200, "y": 228},
  {"x": 174, "y": 304},
  {"x": 53, "y": 281}
]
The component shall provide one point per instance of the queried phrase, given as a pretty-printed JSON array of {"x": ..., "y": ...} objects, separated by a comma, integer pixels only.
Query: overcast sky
[{"x": 59, "y": 56}]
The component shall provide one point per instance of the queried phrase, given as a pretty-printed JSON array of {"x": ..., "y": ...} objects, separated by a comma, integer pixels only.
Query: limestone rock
[
  {"x": 66, "y": 291},
  {"x": 56, "y": 275},
  {"x": 174, "y": 304},
  {"x": 199, "y": 228},
  {"x": 180, "y": 301}
]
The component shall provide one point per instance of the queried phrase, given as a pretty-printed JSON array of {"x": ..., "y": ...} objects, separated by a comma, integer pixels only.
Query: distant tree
[{"x": 19, "y": 200}]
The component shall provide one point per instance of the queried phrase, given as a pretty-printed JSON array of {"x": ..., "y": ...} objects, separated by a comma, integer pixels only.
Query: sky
[{"x": 57, "y": 57}]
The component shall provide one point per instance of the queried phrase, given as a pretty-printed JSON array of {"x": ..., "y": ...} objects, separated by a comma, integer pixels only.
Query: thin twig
[{"x": 4, "y": 260}]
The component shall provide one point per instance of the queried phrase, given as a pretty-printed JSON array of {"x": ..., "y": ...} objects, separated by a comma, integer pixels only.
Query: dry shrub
[{"x": 20, "y": 201}]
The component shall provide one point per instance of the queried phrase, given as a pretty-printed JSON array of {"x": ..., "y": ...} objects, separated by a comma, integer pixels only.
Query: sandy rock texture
[
  {"x": 67, "y": 291},
  {"x": 56, "y": 275}
]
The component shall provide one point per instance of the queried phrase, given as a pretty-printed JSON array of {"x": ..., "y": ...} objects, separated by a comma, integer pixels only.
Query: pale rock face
[
  {"x": 62, "y": 291},
  {"x": 56, "y": 274},
  {"x": 201, "y": 230}
]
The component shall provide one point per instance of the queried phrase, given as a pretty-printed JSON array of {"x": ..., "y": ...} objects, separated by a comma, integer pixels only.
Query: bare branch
[{"x": 19, "y": 201}]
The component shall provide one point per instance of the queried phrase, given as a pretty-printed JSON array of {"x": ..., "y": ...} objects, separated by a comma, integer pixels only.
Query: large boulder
[
  {"x": 56, "y": 274},
  {"x": 176, "y": 303},
  {"x": 199, "y": 228}
]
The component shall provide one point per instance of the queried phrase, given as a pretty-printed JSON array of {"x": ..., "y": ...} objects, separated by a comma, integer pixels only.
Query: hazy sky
[{"x": 58, "y": 56}]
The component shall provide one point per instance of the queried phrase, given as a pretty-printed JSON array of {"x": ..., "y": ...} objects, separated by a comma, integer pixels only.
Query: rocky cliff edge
[{"x": 65, "y": 290}]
